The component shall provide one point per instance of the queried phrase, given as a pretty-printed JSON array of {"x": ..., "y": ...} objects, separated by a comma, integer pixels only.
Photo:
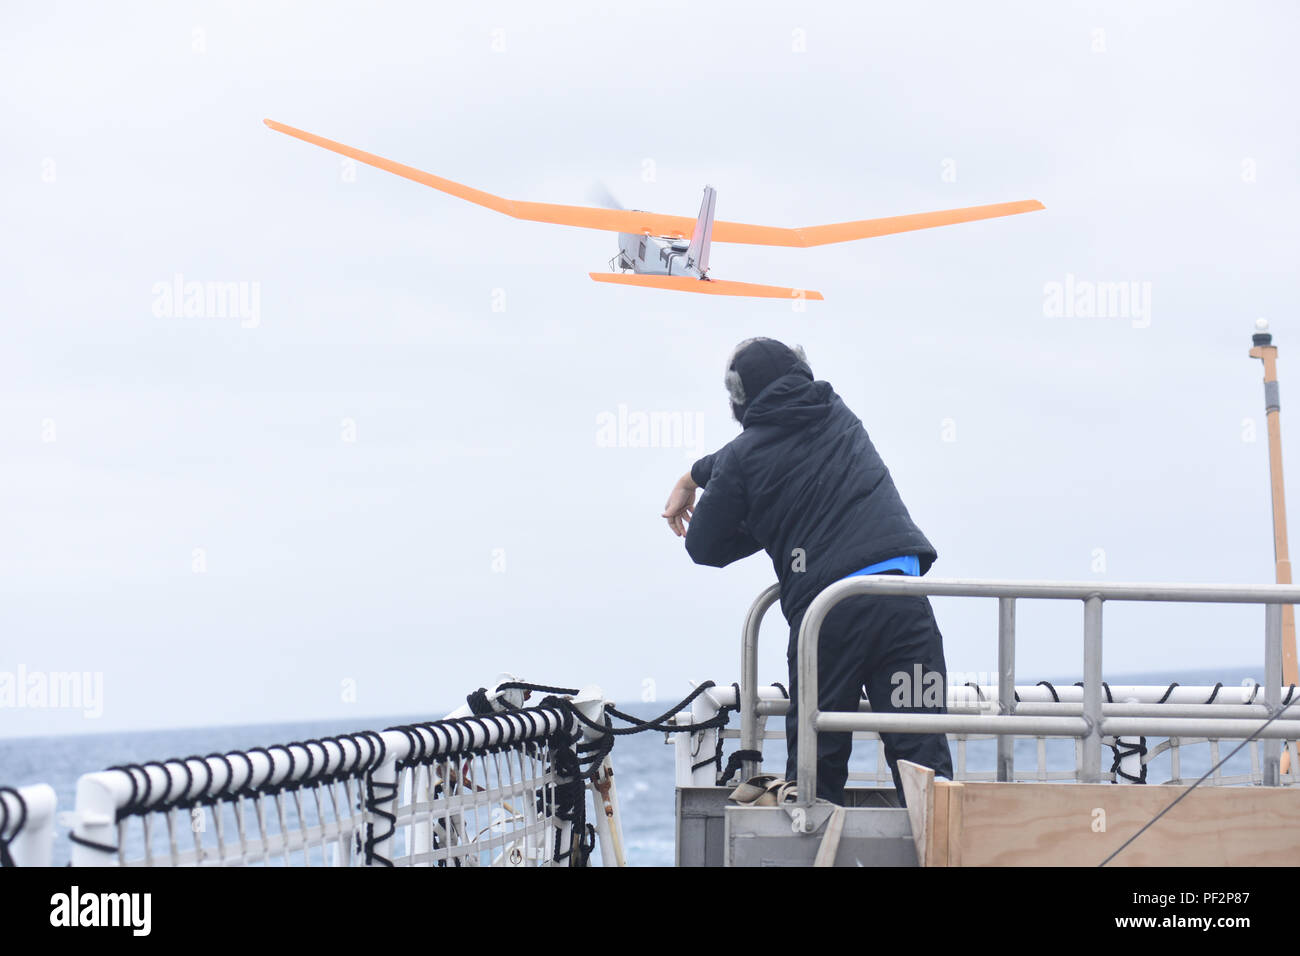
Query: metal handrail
[
  {"x": 1091, "y": 726},
  {"x": 1038, "y": 700},
  {"x": 749, "y": 732}
]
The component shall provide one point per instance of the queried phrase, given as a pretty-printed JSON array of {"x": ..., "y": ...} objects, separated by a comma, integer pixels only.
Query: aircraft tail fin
[
  {"x": 697, "y": 254},
  {"x": 706, "y": 286}
]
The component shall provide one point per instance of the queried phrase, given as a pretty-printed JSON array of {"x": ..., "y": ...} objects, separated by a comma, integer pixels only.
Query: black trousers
[{"x": 891, "y": 645}]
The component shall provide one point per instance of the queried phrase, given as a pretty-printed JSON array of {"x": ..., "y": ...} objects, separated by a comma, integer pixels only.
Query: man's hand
[{"x": 681, "y": 504}]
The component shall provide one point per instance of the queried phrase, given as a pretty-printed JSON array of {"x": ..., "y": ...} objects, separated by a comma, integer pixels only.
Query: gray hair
[{"x": 735, "y": 387}]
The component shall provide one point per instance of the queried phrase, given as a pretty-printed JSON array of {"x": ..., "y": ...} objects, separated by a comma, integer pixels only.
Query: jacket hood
[
  {"x": 754, "y": 365},
  {"x": 793, "y": 400}
]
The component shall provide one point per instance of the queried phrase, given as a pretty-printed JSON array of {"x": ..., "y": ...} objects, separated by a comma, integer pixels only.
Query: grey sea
[{"x": 643, "y": 763}]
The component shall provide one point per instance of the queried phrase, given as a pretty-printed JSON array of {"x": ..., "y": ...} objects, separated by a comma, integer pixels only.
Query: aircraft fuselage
[{"x": 655, "y": 255}]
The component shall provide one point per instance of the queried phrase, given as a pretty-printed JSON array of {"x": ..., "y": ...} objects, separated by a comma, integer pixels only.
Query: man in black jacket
[{"x": 803, "y": 482}]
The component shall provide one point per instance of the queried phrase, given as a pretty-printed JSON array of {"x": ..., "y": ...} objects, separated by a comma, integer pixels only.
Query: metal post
[
  {"x": 604, "y": 798},
  {"x": 609, "y": 825},
  {"x": 1090, "y": 772},
  {"x": 1006, "y": 684},
  {"x": 1272, "y": 688},
  {"x": 749, "y": 719},
  {"x": 1266, "y": 352},
  {"x": 809, "y": 634}
]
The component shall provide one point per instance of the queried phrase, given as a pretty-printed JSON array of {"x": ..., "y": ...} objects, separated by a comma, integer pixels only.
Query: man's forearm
[{"x": 701, "y": 470}]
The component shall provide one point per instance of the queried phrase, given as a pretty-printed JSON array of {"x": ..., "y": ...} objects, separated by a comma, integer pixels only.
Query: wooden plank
[
  {"x": 1042, "y": 824},
  {"x": 937, "y": 847},
  {"x": 918, "y": 791},
  {"x": 956, "y": 793}
]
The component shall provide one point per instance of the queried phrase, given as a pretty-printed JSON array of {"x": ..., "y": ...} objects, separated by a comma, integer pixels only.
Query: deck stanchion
[
  {"x": 1006, "y": 683},
  {"x": 1272, "y": 688}
]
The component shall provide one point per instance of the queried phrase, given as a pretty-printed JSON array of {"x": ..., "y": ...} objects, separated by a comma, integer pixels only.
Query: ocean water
[{"x": 643, "y": 763}]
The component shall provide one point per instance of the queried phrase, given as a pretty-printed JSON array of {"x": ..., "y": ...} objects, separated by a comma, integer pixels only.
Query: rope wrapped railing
[
  {"x": 340, "y": 800},
  {"x": 1055, "y": 758},
  {"x": 495, "y": 783}
]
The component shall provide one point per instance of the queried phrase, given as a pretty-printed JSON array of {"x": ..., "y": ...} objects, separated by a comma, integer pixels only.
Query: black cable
[
  {"x": 540, "y": 688},
  {"x": 657, "y": 723},
  {"x": 1140, "y": 750},
  {"x": 734, "y": 761},
  {"x": 82, "y": 841},
  {"x": 388, "y": 792}
]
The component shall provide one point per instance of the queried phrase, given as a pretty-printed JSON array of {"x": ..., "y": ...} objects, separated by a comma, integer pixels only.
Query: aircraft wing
[
  {"x": 656, "y": 224},
  {"x": 863, "y": 228}
]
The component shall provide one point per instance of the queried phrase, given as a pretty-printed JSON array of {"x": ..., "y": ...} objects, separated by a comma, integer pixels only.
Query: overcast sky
[{"x": 384, "y": 483}]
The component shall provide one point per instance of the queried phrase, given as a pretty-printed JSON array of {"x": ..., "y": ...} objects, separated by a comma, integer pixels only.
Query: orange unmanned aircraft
[{"x": 672, "y": 252}]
